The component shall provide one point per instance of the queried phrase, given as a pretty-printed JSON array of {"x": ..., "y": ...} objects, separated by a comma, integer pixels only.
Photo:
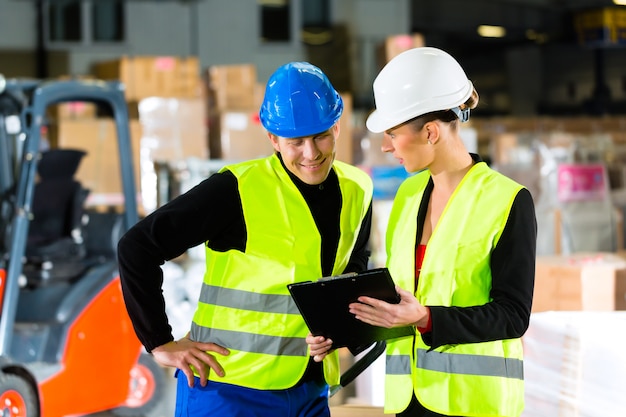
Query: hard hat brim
[
  {"x": 303, "y": 131},
  {"x": 377, "y": 122}
]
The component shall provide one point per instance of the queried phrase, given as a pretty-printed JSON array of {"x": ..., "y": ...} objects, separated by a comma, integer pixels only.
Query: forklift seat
[{"x": 55, "y": 246}]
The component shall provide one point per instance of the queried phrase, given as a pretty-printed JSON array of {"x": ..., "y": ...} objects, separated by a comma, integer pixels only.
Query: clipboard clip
[{"x": 332, "y": 277}]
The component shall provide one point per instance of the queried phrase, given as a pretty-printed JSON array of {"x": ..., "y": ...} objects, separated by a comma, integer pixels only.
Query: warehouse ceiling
[
  {"x": 454, "y": 23},
  {"x": 549, "y": 24}
]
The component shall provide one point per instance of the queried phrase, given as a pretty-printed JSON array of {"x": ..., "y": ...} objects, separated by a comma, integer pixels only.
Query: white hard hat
[{"x": 416, "y": 82}]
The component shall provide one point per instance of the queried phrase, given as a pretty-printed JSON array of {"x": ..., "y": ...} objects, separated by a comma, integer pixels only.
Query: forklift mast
[{"x": 18, "y": 179}]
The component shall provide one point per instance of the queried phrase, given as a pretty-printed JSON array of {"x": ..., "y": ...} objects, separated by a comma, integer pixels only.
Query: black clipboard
[{"x": 324, "y": 307}]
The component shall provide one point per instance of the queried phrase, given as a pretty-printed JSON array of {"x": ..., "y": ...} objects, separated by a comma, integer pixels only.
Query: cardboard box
[
  {"x": 238, "y": 136},
  {"x": 348, "y": 410},
  {"x": 72, "y": 110},
  {"x": 581, "y": 281},
  {"x": 396, "y": 44},
  {"x": 173, "y": 129},
  {"x": 344, "y": 146},
  {"x": 147, "y": 76},
  {"x": 232, "y": 87},
  {"x": 99, "y": 171}
]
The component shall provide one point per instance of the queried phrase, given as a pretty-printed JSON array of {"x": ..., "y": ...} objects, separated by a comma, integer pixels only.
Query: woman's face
[
  {"x": 409, "y": 146},
  {"x": 309, "y": 158}
]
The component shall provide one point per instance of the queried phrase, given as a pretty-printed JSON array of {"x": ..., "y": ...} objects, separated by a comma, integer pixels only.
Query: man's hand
[
  {"x": 185, "y": 354},
  {"x": 320, "y": 346}
]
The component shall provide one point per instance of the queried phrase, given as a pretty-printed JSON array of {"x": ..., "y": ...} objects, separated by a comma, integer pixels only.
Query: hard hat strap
[{"x": 463, "y": 114}]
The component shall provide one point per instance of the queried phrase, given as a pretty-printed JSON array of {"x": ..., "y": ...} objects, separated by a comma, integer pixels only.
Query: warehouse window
[
  {"x": 107, "y": 19},
  {"x": 315, "y": 14},
  {"x": 64, "y": 21},
  {"x": 275, "y": 20},
  {"x": 316, "y": 24},
  {"x": 85, "y": 21}
]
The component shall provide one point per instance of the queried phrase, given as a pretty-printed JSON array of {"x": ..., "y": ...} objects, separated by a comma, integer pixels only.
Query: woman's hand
[
  {"x": 185, "y": 353},
  {"x": 320, "y": 346},
  {"x": 408, "y": 312}
]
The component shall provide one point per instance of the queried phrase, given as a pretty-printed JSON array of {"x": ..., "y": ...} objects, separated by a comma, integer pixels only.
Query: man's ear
[
  {"x": 274, "y": 140},
  {"x": 336, "y": 129}
]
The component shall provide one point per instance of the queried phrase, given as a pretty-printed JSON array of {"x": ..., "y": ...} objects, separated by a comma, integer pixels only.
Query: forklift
[{"x": 67, "y": 345}]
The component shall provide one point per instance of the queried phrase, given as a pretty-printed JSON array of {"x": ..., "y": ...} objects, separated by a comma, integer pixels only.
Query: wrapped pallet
[{"x": 574, "y": 364}]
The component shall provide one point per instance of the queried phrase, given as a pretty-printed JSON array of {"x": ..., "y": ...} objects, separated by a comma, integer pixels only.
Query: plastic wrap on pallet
[{"x": 574, "y": 364}]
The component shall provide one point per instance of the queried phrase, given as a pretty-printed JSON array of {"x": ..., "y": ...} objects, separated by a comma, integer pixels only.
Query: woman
[{"x": 460, "y": 245}]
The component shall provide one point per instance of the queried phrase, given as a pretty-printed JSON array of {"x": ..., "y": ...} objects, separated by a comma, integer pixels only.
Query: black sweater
[{"x": 211, "y": 213}]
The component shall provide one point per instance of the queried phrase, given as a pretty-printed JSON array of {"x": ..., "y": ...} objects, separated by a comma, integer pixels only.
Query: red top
[{"x": 419, "y": 258}]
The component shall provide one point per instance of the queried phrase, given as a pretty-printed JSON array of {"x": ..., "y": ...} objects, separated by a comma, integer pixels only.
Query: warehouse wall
[
  {"x": 17, "y": 22},
  {"x": 154, "y": 28},
  {"x": 217, "y": 31},
  {"x": 226, "y": 32}
]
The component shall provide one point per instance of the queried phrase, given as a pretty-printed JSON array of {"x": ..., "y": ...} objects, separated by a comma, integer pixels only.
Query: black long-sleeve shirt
[{"x": 211, "y": 213}]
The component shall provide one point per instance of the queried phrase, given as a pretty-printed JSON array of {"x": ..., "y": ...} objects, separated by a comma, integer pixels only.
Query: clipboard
[{"x": 324, "y": 307}]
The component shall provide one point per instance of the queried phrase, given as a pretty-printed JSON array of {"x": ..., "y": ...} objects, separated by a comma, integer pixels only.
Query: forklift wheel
[
  {"x": 146, "y": 391},
  {"x": 17, "y": 397}
]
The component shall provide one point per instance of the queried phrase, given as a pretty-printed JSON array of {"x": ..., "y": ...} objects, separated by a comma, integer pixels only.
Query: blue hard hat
[{"x": 299, "y": 101}]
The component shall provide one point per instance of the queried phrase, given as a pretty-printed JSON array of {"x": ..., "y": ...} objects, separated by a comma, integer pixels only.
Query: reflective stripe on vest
[
  {"x": 398, "y": 365},
  {"x": 244, "y": 303},
  {"x": 483, "y": 379},
  {"x": 466, "y": 364},
  {"x": 470, "y": 364},
  {"x": 251, "y": 301},
  {"x": 248, "y": 300}
]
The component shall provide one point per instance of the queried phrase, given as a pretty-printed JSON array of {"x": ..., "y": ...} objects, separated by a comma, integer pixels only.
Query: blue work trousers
[{"x": 306, "y": 399}]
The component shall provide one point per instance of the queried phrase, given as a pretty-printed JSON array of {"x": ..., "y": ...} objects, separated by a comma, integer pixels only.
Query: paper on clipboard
[{"x": 324, "y": 307}]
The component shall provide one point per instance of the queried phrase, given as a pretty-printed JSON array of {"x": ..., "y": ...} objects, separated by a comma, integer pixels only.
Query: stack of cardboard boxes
[
  {"x": 580, "y": 282},
  {"x": 574, "y": 364},
  {"x": 572, "y": 344},
  {"x": 165, "y": 94},
  {"x": 167, "y": 122},
  {"x": 234, "y": 97},
  {"x": 99, "y": 171},
  {"x": 148, "y": 76}
]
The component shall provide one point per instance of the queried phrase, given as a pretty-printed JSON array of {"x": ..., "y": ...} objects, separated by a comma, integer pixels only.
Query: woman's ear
[{"x": 432, "y": 132}]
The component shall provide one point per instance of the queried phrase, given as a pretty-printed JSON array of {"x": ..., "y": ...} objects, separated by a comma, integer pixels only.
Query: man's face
[{"x": 309, "y": 158}]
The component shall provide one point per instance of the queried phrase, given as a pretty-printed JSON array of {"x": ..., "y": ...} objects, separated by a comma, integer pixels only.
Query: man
[{"x": 296, "y": 215}]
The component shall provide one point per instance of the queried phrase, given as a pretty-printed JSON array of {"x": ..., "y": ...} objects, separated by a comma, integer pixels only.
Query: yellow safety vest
[
  {"x": 474, "y": 379},
  {"x": 244, "y": 303}
]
